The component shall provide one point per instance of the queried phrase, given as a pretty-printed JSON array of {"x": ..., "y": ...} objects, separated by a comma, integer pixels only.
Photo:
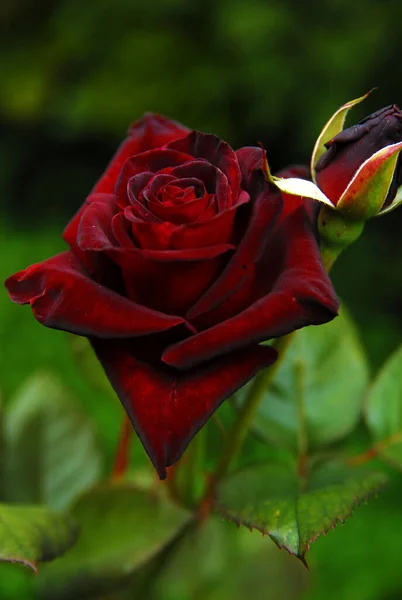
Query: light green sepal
[{"x": 331, "y": 129}]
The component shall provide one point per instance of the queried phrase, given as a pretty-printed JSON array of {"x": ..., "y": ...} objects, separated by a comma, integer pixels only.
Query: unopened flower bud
[{"x": 350, "y": 148}]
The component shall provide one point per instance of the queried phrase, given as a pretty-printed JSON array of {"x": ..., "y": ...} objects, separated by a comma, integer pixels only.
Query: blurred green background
[{"x": 75, "y": 74}]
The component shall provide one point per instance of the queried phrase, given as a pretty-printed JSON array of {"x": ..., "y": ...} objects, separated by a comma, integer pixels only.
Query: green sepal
[
  {"x": 331, "y": 129},
  {"x": 367, "y": 191}
]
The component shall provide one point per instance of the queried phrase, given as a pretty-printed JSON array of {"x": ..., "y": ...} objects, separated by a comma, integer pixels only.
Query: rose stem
[
  {"x": 374, "y": 451},
  {"x": 302, "y": 437},
  {"x": 237, "y": 435},
  {"x": 121, "y": 460},
  {"x": 241, "y": 426}
]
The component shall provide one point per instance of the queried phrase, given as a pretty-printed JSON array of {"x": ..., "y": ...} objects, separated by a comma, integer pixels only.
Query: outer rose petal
[
  {"x": 95, "y": 227},
  {"x": 152, "y": 131},
  {"x": 62, "y": 296},
  {"x": 265, "y": 214},
  {"x": 167, "y": 407},
  {"x": 301, "y": 295},
  {"x": 164, "y": 280},
  {"x": 251, "y": 160}
]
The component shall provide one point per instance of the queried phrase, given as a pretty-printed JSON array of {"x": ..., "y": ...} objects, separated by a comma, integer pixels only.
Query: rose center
[{"x": 173, "y": 195}]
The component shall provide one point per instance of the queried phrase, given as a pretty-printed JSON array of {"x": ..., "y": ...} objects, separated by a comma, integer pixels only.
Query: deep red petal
[
  {"x": 172, "y": 280},
  {"x": 216, "y": 152},
  {"x": 96, "y": 263},
  {"x": 147, "y": 162},
  {"x": 214, "y": 179},
  {"x": 169, "y": 236},
  {"x": 217, "y": 230},
  {"x": 301, "y": 295},
  {"x": 171, "y": 256},
  {"x": 136, "y": 184},
  {"x": 291, "y": 202},
  {"x": 95, "y": 226},
  {"x": 62, "y": 296},
  {"x": 265, "y": 213},
  {"x": 152, "y": 131},
  {"x": 180, "y": 214},
  {"x": 166, "y": 407},
  {"x": 121, "y": 231}
]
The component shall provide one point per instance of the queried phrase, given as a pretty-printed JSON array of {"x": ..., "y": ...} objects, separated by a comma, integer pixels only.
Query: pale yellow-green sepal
[
  {"x": 303, "y": 188},
  {"x": 331, "y": 129},
  {"x": 297, "y": 187}
]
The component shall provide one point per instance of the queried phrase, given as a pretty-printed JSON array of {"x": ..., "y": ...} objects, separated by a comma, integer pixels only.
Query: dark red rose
[
  {"x": 348, "y": 150},
  {"x": 180, "y": 264}
]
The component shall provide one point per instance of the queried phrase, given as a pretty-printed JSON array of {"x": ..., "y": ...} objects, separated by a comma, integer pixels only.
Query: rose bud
[
  {"x": 356, "y": 174},
  {"x": 356, "y": 170},
  {"x": 179, "y": 266},
  {"x": 350, "y": 148}
]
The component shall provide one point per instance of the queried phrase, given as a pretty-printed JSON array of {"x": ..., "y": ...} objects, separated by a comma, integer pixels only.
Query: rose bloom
[
  {"x": 181, "y": 262},
  {"x": 348, "y": 150}
]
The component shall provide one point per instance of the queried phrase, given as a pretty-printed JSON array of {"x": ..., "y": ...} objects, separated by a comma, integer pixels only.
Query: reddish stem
[
  {"x": 121, "y": 460},
  {"x": 374, "y": 451}
]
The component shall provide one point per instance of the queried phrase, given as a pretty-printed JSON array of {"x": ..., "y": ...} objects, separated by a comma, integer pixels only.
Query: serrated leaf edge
[{"x": 302, "y": 555}]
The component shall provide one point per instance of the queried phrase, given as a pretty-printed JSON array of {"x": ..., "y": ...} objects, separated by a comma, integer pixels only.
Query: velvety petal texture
[
  {"x": 182, "y": 260},
  {"x": 62, "y": 296},
  {"x": 167, "y": 407}
]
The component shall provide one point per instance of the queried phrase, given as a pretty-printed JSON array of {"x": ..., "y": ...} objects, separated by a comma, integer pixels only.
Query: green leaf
[
  {"x": 51, "y": 454},
  {"x": 383, "y": 410},
  {"x": 317, "y": 392},
  {"x": 268, "y": 498},
  {"x": 2, "y": 459},
  {"x": 31, "y": 534},
  {"x": 122, "y": 527},
  {"x": 215, "y": 560}
]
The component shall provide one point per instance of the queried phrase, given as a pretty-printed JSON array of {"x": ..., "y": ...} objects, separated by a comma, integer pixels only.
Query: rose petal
[
  {"x": 160, "y": 180},
  {"x": 164, "y": 280},
  {"x": 251, "y": 160},
  {"x": 180, "y": 214},
  {"x": 199, "y": 234},
  {"x": 97, "y": 264},
  {"x": 216, "y": 152},
  {"x": 95, "y": 226},
  {"x": 292, "y": 202},
  {"x": 152, "y": 131},
  {"x": 265, "y": 213},
  {"x": 121, "y": 231},
  {"x": 147, "y": 162},
  {"x": 252, "y": 164},
  {"x": 62, "y": 296},
  {"x": 136, "y": 184},
  {"x": 139, "y": 211},
  {"x": 125, "y": 255},
  {"x": 215, "y": 181},
  {"x": 166, "y": 407},
  {"x": 301, "y": 295}
]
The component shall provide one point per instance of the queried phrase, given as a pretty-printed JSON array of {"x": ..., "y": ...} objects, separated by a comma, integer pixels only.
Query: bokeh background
[{"x": 75, "y": 74}]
